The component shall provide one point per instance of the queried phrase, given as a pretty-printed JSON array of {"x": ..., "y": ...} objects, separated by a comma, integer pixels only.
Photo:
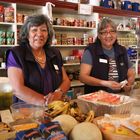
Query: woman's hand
[
  {"x": 127, "y": 87},
  {"x": 52, "y": 96},
  {"x": 112, "y": 85}
]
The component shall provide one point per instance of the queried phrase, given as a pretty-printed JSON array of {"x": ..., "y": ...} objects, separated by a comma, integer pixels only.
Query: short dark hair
[
  {"x": 35, "y": 20},
  {"x": 104, "y": 22}
]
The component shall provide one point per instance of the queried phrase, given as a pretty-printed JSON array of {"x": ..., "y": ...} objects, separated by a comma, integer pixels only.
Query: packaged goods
[
  {"x": 20, "y": 18},
  {"x": 2, "y": 34},
  {"x": 1, "y": 13},
  {"x": 29, "y": 135},
  {"x": 52, "y": 130},
  {"x": 9, "y": 34},
  {"x": 10, "y": 41},
  {"x": 102, "y": 102},
  {"x": 119, "y": 126},
  {"x": 8, "y": 14}
]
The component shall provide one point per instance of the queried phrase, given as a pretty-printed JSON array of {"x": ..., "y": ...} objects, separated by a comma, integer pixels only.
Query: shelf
[
  {"x": 117, "y": 12},
  {"x": 2, "y": 68},
  {"x": 126, "y": 30},
  {"x": 9, "y": 46},
  {"x": 71, "y": 64},
  {"x": 76, "y": 83},
  {"x": 72, "y": 28},
  {"x": 74, "y": 6},
  {"x": 69, "y": 46},
  {"x": 6, "y": 23}
]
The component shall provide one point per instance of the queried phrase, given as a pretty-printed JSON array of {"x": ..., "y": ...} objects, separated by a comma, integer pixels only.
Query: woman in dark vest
[
  {"x": 34, "y": 68},
  {"x": 105, "y": 63}
]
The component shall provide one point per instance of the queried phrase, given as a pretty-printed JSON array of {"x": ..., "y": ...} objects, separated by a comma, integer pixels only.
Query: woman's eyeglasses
[{"x": 105, "y": 33}]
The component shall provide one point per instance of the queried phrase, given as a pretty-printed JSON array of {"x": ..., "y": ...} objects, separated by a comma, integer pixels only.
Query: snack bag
[
  {"x": 52, "y": 131},
  {"x": 32, "y": 134}
]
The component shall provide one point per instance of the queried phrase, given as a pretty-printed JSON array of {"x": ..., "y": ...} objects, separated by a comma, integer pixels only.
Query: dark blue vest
[
  {"x": 101, "y": 70},
  {"x": 32, "y": 71}
]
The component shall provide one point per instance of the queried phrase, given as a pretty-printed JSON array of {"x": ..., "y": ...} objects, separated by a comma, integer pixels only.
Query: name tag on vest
[
  {"x": 102, "y": 60},
  {"x": 56, "y": 67}
]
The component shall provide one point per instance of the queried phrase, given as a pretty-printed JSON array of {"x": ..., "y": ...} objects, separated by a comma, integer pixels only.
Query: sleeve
[
  {"x": 11, "y": 62},
  {"x": 86, "y": 58}
]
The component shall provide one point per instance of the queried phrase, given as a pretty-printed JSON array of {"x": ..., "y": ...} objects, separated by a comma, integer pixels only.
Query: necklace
[{"x": 40, "y": 58}]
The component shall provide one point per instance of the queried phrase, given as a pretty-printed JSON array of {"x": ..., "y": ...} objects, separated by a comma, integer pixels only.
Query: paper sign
[{"x": 85, "y": 9}]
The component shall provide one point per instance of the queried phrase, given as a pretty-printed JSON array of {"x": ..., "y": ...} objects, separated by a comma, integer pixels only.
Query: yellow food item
[
  {"x": 108, "y": 127},
  {"x": 124, "y": 131},
  {"x": 27, "y": 126},
  {"x": 137, "y": 131}
]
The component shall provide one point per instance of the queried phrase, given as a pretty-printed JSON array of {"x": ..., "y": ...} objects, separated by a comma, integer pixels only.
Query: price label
[{"x": 85, "y": 9}]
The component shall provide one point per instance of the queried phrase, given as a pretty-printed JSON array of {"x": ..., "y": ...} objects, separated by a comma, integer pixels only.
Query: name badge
[
  {"x": 56, "y": 67},
  {"x": 102, "y": 60}
]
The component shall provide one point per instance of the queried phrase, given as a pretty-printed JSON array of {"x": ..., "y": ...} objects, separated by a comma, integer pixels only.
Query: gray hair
[
  {"x": 104, "y": 22},
  {"x": 35, "y": 20}
]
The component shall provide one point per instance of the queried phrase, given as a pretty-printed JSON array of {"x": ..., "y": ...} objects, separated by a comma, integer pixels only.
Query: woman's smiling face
[
  {"x": 38, "y": 36},
  {"x": 107, "y": 37}
]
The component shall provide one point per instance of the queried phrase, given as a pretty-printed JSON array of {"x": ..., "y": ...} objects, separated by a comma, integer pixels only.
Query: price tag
[{"x": 85, "y": 9}]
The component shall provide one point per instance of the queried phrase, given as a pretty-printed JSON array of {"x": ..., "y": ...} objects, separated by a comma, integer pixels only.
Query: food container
[
  {"x": 109, "y": 135},
  {"x": 22, "y": 110},
  {"x": 101, "y": 108},
  {"x": 6, "y": 93}
]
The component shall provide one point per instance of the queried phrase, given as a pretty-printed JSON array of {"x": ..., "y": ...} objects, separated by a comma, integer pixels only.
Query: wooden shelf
[
  {"x": 72, "y": 28},
  {"x": 74, "y": 6},
  {"x": 117, "y": 12},
  {"x": 69, "y": 46}
]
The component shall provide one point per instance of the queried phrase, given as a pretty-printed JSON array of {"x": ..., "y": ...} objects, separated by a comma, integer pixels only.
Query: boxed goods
[
  {"x": 8, "y": 14},
  {"x": 107, "y": 103}
]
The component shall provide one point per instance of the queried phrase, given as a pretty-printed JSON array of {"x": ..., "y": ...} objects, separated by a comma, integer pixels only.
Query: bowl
[{"x": 22, "y": 110}]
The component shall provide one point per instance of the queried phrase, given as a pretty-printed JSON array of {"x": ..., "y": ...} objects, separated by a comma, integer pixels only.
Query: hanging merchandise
[{"x": 49, "y": 10}]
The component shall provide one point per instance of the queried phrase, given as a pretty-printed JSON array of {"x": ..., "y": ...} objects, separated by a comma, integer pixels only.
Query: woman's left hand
[{"x": 127, "y": 88}]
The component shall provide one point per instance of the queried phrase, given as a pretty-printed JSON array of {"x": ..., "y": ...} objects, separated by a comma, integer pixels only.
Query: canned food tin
[
  {"x": 9, "y": 34},
  {"x": 2, "y": 41},
  {"x": 2, "y": 34},
  {"x": 10, "y": 41}
]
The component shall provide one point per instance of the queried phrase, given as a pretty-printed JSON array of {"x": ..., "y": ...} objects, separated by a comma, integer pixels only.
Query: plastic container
[
  {"x": 101, "y": 108},
  {"x": 6, "y": 93},
  {"x": 23, "y": 110}
]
